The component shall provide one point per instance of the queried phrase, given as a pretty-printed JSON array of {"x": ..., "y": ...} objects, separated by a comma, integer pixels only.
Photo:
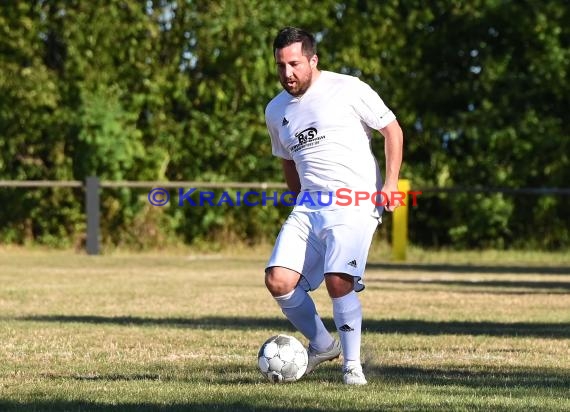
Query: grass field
[{"x": 180, "y": 331}]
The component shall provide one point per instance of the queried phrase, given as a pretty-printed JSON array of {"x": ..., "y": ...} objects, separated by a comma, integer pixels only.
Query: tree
[{"x": 176, "y": 90}]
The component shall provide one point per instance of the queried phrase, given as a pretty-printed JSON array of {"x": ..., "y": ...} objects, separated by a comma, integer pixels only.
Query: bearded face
[{"x": 295, "y": 70}]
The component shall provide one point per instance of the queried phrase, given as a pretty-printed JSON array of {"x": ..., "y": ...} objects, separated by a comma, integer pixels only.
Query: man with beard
[{"x": 321, "y": 126}]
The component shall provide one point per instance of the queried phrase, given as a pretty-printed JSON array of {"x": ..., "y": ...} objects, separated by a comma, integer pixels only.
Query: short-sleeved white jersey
[{"x": 327, "y": 132}]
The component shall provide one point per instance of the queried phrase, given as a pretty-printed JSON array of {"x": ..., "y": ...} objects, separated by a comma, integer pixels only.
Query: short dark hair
[{"x": 290, "y": 35}]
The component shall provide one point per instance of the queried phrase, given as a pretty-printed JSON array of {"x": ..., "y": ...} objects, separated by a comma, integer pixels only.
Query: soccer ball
[{"x": 282, "y": 358}]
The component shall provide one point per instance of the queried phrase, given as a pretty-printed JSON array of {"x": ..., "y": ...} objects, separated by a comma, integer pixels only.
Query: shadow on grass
[
  {"x": 61, "y": 405},
  {"x": 423, "y": 327},
  {"x": 384, "y": 326},
  {"x": 241, "y": 374},
  {"x": 547, "y": 286},
  {"x": 494, "y": 269},
  {"x": 220, "y": 374},
  {"x": 491, "y": 378},
  {"x": 490, "y": 382}
]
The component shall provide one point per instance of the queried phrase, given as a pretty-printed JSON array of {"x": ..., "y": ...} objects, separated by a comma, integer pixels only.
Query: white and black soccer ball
[{"x": 282, "y": 358}]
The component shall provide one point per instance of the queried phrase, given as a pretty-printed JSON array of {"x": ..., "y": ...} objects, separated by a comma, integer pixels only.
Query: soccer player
[{"x": 321, "y": 126}]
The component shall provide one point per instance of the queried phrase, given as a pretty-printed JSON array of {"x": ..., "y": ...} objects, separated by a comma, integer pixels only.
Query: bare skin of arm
[
  {"x": 291, "y": 176},
  {"x": 393, "y": 147}
]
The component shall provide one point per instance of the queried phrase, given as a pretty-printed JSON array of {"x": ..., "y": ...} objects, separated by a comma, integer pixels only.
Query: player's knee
[
  {"x": 280, "y": 281},
  {"x": 339, "y": 284}
]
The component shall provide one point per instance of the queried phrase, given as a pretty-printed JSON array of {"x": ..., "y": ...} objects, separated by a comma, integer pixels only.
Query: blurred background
[{"x": 176, "y": 90}]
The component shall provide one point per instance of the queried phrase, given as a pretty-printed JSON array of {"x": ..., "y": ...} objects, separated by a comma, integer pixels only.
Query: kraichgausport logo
[{"x": 341, "y": 197}]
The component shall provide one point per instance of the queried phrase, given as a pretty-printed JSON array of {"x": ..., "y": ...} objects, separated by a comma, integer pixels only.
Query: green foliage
[
  {"x": 176, "y": 90},
  {"x": 108, "y": 143}
]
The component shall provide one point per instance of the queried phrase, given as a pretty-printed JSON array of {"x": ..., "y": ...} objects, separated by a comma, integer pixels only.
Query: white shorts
[{"x": 328, "y": 241}]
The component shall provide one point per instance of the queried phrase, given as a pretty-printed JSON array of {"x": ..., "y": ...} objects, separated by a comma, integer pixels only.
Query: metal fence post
[{"x": 92, "y": 209}]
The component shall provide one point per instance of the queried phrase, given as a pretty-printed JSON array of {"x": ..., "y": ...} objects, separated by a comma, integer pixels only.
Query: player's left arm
[
  {"x": 393, "y": 148},
  {"x": 291, "y": 176}
]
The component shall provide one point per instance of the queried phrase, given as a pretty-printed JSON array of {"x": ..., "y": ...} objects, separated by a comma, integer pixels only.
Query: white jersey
[{"x": 327, "y": 132}]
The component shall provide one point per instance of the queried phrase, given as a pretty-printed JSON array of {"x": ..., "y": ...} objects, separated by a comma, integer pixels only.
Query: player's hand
[{"x": 394, "y": 199}]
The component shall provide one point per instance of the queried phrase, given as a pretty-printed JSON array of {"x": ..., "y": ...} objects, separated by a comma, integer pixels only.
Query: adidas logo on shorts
[{"x": 352, "y": 263}]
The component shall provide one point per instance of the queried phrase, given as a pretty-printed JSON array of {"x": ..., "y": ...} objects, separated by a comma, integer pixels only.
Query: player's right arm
[{"x": 291, "y": 176}]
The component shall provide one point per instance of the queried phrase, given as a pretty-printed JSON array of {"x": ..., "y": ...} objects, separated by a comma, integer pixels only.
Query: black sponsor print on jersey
[
  {"x": 306, "y": 138},
  {"x": 306, "y": 135}
]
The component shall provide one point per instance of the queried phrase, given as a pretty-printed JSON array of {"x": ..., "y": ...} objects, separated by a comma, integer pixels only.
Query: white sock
[
  {"x": 300, "y": 309},
  {"x": 347, "y": 313}
]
